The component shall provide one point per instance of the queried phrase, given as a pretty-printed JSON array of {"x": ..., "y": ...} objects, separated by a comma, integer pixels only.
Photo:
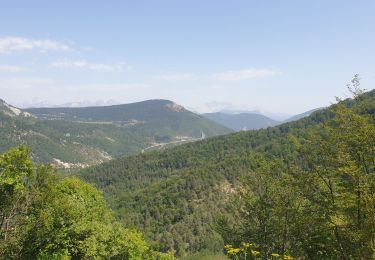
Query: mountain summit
[
  {"x": 81, "y": 136},
  {"x": 144, "y": 110}
]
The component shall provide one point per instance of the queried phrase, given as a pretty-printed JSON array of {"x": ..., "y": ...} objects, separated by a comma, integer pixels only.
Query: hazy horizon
[{"x": 284, "y": 58}]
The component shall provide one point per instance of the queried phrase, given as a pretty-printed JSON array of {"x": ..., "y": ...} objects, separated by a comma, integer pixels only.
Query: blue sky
[{"x": 279, "y": 56}]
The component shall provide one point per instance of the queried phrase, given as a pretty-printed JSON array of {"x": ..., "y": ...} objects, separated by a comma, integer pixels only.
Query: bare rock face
[
  {"x": 12, "y": 110},
  {"x": 175, "y": 107}
]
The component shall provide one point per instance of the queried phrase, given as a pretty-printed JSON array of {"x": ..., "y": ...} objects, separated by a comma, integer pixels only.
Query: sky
[{"x": 284, "y": 57}]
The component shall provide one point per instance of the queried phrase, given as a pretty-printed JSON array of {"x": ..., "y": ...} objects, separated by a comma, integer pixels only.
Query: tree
[
  {"x": 339, "y": 177},
  {"x": 319, "y": 205},
  {"x": 48, "y": 217},
  {"x": 270, "y": 210},
  {"x": 16, "y": 169}
]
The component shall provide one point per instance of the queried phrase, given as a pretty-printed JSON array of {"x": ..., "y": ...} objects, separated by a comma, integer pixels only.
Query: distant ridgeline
[
  {"x": 250, "y": 120},
  {"x": 242, "y": 121},
  {"x": 78, "y": 137},
  {"x": 186, "y": 198}
]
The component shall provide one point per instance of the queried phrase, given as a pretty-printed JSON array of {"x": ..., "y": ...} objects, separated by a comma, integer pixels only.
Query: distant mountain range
[
  {"x": 242, "y": 121},
  {"x": 77, "y": 137},
  {"x": 305, "y": 114},
  {"x": 277, "y": 116},
  {"x": 82, "y": 136},
  {"x": 251, "y": 120}
]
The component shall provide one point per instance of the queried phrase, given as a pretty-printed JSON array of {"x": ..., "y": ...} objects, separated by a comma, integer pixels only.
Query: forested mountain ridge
[
  {"x": 77, "y": 137},
  {"x": 302, "y": 115},
  {"x": 175, "y": 195},
  {"x": 149, "y": 110},
  {"x": 242, "y": 121}
]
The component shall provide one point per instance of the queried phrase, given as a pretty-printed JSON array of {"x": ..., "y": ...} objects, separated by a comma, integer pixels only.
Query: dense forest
[
  {"x": 44, "y": 216},
  {"x": 300, "y": 190},
  {"x": 303, "y": 189}
]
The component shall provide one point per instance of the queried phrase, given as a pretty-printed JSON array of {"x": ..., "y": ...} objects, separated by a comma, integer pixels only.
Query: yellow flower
[
  {"x": 227, "y": 246},
  {"x": 233, "y": 251},
  {"x": 246, "y": 245},
  {"x": 254, "y": 252}
]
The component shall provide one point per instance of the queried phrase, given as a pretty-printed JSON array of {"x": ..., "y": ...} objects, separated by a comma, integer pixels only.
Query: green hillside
[
  {"x": 76, "y": 137},
  {"x": 44, "y": 216},
  {"x": 149, "y": 110},
  {"x": 175, "y": 196}
]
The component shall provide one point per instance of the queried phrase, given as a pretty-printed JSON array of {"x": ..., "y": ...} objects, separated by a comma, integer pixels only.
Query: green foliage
[
  {"x": 271, "y": 207},
  {"x": 15, "y": 169},
  {"x": 342, "y": 171},
  {"x": 45, "y": 217},
  {"x": 175, "y": 196},
  {"x": 322, "y": 206}
]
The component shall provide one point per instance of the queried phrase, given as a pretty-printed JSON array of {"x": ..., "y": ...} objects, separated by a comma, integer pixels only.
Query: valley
[
  {"x": 78, "y": 137},
  {"x": 187, "y": 130},
  {"x": 176, "y": 196},
  {"x": 189, "y": 194}
]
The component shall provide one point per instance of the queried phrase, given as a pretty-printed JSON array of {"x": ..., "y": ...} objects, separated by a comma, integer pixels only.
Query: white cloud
[
  {"x": 12, "y": 69},
  {"x": 15, "y": 44},
  {"x": 244, "y": 74},
  {"x": 177, "y": 76},
  {"x": 24, "y": 84},
  {"x": 82, "y": 64}
]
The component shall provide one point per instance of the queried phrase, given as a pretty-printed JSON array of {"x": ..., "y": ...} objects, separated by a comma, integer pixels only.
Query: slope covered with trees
[
  {"x": 45, "y": 217},
  {"x": 318, "y": 206},
  {"x": 74, "y": 137},
  {"x": 178, "y": 195}
]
